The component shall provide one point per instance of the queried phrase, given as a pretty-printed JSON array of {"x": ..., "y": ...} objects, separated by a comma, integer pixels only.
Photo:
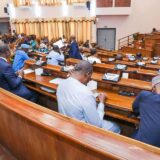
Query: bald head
[
  {"x": 84, "y": 67},
  {"x": 82, "y": 72}
]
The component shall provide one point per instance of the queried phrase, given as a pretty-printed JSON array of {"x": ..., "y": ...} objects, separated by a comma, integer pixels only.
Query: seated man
[
  {"x": 147, "y": 105},
  {"x": 55, "y": 57},
  {"x": 86, "y": 44},
  {"x": 77, "y": 101},
  {"x": 9, "y": 80},
  {"x": 20, "y": 57}
]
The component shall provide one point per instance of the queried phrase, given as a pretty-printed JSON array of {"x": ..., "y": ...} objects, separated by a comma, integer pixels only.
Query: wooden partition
[
  {"x": 104, "y": 3},
  {"x": 122, "y": 3},
  {"x": 31, "y": 132}
]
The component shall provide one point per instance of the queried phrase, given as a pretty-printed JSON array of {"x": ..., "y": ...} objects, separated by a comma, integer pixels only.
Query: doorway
[
  {"x": 106, "y": 38},
  {"x": 4, "y": 27}
]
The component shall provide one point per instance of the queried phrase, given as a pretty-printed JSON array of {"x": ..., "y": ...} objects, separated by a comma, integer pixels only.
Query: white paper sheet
[
  {"x": 59, "y": 43},
  {"x": 57, "y": 80},
  {"x": 92, "y": 85},
  {"x": 47, "y": 89},
  {"x": 27, "y": 71}
]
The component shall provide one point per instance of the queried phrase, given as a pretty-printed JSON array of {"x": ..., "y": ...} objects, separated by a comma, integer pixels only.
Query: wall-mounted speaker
[
  {"x": 5, "y": 10},
  {"x": 88, "y": 4}
]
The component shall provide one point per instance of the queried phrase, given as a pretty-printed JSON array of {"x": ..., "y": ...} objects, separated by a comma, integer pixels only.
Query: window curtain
[
  {"x": 18, "y": 3},
  {"x": 76, "y": 1},
  {"x": 58, "y": 2},
  {"x": 50, "y": 2},
  {"x": 56, "y": 28}
]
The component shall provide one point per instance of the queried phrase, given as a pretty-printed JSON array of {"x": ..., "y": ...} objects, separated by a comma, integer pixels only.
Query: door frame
[{"x": 106, "y": 29}]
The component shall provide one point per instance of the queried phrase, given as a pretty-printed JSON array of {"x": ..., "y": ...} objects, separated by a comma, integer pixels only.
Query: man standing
[
  {"x": 74, "y": 49},
  {"x": 9, "y": 80},
  {"x": 77, "y": 101},
  {"x": 147, "y": 106}
]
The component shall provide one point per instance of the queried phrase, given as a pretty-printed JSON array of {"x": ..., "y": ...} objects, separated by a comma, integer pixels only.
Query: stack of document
[{"x": 59, "y": 43}]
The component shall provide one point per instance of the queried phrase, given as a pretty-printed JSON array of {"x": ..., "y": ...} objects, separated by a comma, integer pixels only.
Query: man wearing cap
[
  {"x": 147, "y": 106},
  {"x": 9, "y": 80},
  {"x": 76, "y": 100},
  {"x": 20, "y": 57}
]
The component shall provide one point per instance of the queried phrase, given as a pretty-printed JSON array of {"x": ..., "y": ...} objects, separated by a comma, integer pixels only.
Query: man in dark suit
[
  {"x": 147, "y": 106},
  {"x": 9, "y": 80},
  {"x": 74, "y": 49}
]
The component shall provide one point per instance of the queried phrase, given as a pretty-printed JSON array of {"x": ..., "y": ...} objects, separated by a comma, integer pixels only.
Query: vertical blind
[
  {"x": 55, "y": 28},
  {"x": 22, "y": 2},
  {"x": 45, "y": 2}
]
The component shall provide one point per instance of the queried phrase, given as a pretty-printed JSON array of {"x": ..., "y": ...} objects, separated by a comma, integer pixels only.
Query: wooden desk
[
  {"x": 104, "y": 67},
  {"x": 114, "y": 99},
  {"x": 32, "y": 132},
  {"x": 145, "y": 52},
  {"x": 38, "y": 54},
  {"x": 131, "y": 83},
  {"x": 133, "y": 64}
]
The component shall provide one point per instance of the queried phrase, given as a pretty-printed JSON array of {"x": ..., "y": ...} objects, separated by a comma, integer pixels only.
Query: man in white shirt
[
  {"x": 55, "y": 56},
  {"x": 77, "y": 101}
]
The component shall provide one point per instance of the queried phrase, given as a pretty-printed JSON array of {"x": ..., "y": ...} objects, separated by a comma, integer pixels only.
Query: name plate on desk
[
  {"x": 111, "y": 77},
  {"x": 120, "y": 67}
]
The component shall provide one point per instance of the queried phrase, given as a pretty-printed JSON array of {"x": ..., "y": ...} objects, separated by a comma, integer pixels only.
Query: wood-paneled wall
[
  {"x": 109, "y": 3},
  {"x": 122, "y": 3},
  {"x": 104, "y": 3}
]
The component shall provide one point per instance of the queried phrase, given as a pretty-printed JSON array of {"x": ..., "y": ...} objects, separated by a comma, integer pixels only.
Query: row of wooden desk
[
  {"x": 114, "y": 100},
  {"x": 105, "y": 55},
  {"x": 100, "y": 69},
  {"x": 32, "y": 132}
]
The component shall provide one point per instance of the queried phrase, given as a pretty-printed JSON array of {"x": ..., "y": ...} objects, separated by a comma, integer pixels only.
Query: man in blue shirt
[
  {"x": 74, "y": 49},
  {"x": 20, "y": 57},
  {"x": 147, "y": 105}
]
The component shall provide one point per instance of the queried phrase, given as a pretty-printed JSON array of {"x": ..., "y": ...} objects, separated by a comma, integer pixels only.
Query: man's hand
[
  {"x": 20, "y": 73},
  {"x": 102, "y": 97}
]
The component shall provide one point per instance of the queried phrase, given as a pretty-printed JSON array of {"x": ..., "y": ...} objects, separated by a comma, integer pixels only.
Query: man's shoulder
[
  {"x": 145, "y": 93},
  {"x": 4, "y": 64},
  {"x": 72, "y": 83},
  {"x": 20, "y": 52}
]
